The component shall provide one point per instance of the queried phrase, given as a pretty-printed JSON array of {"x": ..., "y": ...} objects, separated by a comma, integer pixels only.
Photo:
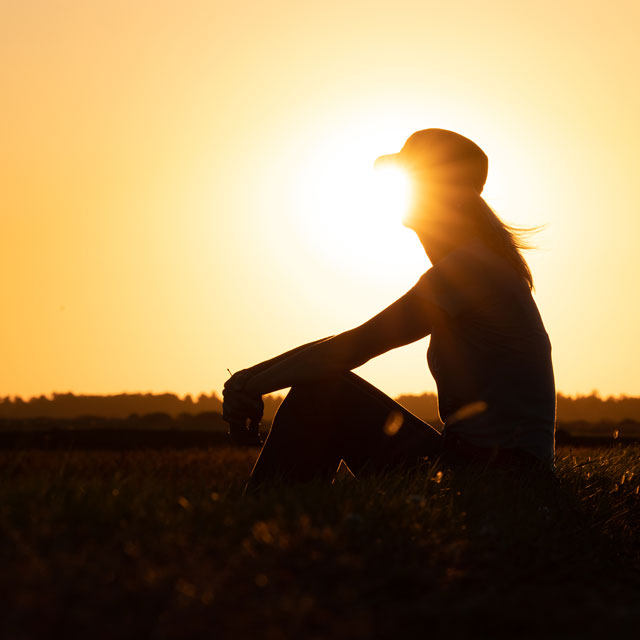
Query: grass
[{"x": 162, "y": 544}]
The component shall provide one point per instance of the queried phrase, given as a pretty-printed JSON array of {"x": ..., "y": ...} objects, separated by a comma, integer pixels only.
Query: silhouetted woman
[{"x": 489, "y": 352}]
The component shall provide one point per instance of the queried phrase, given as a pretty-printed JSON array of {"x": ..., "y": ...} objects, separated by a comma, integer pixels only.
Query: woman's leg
[{"x": 343, "y": 418}]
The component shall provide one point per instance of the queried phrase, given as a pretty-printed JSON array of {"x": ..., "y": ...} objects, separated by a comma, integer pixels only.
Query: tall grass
[{"x": 164, "y": 545}]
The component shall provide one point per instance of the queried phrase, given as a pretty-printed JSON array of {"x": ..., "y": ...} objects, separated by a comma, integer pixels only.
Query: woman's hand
[
  {"x": 237, "y": 381},
  {"x": 242, "y": 410},
  {"x": 239, "y": 406}
]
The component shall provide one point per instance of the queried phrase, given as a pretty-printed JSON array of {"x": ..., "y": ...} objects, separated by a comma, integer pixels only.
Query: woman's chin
[{"x": 410, "y": 223}]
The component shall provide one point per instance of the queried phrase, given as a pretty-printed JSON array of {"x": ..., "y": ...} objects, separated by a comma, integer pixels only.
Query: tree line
[
  {"x": 122, "y": 405},
  {"x": 588, "y": 408},
  {"x": 578, "y": 408}
]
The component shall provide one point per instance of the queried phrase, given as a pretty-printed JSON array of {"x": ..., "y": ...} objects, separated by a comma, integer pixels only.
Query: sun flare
[
  {"x": 351, "y": 214},
  {"x": 390, "y": 190}
]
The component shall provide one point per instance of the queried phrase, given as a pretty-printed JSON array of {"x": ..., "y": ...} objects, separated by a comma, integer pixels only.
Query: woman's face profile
[
  {"x": 425, "y": 203},
  {"x": 436, "y": 209}
]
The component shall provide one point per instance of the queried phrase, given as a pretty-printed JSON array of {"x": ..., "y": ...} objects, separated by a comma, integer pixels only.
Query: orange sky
[{"x": 156, "y": 161}]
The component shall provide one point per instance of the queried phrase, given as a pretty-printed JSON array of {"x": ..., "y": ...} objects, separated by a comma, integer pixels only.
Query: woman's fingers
[
  {"x": 239, "y": 399},
  {"x": 240, "y": 406},
  {"x": 243, "y": 412}
]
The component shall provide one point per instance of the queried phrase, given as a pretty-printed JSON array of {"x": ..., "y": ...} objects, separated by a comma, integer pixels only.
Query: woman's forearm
[
  {"x": 318, "y": 360},
  {"x": 267, "y": 364}
]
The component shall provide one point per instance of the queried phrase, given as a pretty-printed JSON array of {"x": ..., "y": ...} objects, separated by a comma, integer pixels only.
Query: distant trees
[
  {"x": 425, "y": 406},
  {"x": 588, "y": 408},
  {"x": 594, "y": 408},
  {"x": 69, "y": 405}
]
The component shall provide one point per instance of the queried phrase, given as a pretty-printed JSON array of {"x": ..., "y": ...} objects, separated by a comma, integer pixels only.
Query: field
[{"x": 162, "y": 544}]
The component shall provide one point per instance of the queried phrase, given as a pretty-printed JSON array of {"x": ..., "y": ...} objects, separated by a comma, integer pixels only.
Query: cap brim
[{"x": 390, "y": 160}]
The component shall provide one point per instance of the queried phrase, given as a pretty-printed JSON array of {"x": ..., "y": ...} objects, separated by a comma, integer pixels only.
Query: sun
[{"x": 350, "y": 214}]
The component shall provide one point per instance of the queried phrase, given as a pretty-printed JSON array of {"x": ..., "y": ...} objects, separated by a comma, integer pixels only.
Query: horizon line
[{"x": 194, "y": 397}]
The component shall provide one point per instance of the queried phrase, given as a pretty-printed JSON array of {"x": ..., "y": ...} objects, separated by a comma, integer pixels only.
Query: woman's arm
[
  {"x": 262, "y": 366},
  {"x": 406, "y": 320},
  {"x": 238, "y": 380}
]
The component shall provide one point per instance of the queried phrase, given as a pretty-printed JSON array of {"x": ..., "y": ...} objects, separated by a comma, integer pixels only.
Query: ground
[{"x": 162, "y": 544}]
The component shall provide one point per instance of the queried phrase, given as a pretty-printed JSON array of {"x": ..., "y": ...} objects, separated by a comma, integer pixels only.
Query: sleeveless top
[{"x": 489, "y": 353}]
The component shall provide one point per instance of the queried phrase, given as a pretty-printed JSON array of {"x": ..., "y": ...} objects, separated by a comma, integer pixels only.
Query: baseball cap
[{"x": 444, "y": 156}]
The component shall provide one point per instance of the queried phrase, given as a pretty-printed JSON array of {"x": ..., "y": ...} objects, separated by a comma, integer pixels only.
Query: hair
[{"x": 506, "y": 240}]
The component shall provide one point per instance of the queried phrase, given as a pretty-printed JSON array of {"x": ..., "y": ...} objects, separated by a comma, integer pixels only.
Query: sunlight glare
[
  {"x": 391, "y": 193},
  {"x": 351, "y": 214}
]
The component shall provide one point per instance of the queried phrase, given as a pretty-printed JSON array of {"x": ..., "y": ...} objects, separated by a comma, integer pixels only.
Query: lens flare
[
  {"x": 352, "y": 215},
  {"x": 391, "y": 192}
]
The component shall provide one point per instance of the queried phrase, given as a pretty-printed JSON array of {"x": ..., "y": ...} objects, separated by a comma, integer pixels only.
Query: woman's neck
[
  {"x": 443, "y": 224},
  {"x": 434, "y": 250},
  {"x": 437, "y": 247}
]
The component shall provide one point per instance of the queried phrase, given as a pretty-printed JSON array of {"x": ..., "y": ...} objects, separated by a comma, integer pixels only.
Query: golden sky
[{"x": 181, "y": 183}]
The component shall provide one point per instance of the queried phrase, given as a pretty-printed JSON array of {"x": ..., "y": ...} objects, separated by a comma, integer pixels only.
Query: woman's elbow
[{"x": 354, "y": 355}]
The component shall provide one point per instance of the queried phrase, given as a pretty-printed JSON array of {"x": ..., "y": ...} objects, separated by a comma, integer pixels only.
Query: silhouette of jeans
[
  {"x": 346, "y": 418},
  {"x": 342, "y": 418}
]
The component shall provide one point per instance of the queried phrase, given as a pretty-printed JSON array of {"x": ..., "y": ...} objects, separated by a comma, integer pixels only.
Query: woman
[{"x": 489, "y": 352}]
